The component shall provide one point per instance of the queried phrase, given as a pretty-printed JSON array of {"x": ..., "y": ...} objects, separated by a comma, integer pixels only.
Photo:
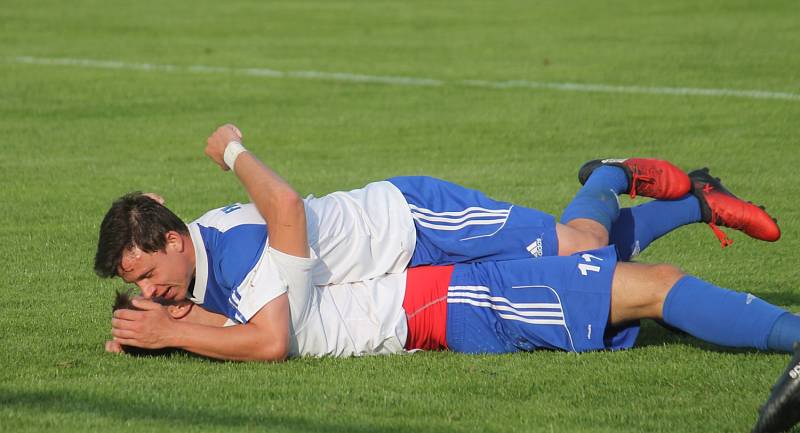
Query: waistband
[{"x": 425, "y": 303}]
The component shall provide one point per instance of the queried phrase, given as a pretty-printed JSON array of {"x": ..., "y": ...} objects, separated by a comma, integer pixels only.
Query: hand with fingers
[
  {"x": 218, "y": 142},
  {"x": 148, "y": 328}
]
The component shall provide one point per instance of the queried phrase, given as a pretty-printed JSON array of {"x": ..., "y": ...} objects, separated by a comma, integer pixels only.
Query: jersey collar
[{"x": 200, "y": 265}]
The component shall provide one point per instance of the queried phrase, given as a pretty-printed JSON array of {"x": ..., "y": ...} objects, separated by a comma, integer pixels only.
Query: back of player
[
  {"x": 350, "y": 319},
  {"x": 360, "y": 234},
  {"x": 356, "y": 236}
]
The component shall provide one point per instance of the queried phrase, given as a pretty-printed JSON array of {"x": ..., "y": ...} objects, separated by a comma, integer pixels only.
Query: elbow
[
  {"x": 275, "y": 351},
  {"x": 279, "y": 352},
  {"x": 291, "y": 202},
  {"x": 290, "y": 210}
]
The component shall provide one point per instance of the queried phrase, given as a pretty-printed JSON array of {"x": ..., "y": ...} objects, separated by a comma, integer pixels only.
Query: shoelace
[{"x": 723, "y": 238}]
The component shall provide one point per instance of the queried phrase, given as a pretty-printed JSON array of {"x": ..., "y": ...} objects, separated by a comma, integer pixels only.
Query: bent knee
[
  {"x": 577, "y": 238},
  {"x": 587, "y": 243},
  {"x": 668, "y": 274},
  {"x": 665, "y": 277}
]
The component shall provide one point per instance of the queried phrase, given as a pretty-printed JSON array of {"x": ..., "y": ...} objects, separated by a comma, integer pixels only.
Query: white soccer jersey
[
  {"x": 360, "y": 234},
  {"x": 356, "y": 236},
  {"x": 348, "y": 319}
]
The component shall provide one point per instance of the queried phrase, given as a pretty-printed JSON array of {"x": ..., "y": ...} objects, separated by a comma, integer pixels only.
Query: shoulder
[
  {"x": 273, "y": 274},
  {"x": 232, "y": 241},
  {"x": 225, "y": 218}
]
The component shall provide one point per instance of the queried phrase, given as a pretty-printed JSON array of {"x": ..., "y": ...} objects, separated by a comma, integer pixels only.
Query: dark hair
[
  {"x": 122, "y": 301},
  {"x": 134, "y": 220}
]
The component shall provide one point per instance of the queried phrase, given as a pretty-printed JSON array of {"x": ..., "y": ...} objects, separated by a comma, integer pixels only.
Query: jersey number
[
  {"x": 585, "y": 268},
  {"x": 228, "y": 209}
]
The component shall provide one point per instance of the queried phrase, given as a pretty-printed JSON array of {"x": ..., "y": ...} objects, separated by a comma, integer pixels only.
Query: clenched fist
[{"x": 218, "y": 141}]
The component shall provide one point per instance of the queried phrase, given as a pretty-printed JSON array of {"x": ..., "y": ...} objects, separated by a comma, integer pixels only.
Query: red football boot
[
  {"x": 654, "y": 178},
  {"x": 719, "y": 207}
]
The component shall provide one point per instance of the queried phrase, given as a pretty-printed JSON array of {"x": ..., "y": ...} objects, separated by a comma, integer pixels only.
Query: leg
[
  {"x": 638, "y": 291},
  {"x": 580, "y": 234},
  {"x": 633, "y": 231},
  {"x": 595, "y": 209},
  {"x": 708, "y": 312},
  {"x": 588, "y": 218},
  {"x": 639, "y": 226}
]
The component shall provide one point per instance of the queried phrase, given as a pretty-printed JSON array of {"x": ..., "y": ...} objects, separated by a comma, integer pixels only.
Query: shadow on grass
[
  {"x": 653, "y": 334},
  {"x": 781, "y": 299},
  {"x": 84, "y": 405}
]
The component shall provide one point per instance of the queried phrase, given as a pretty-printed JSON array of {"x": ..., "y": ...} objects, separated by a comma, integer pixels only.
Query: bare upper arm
[
  {"x": 271, "y": 328},
  {"x": 288, "y": 232}
]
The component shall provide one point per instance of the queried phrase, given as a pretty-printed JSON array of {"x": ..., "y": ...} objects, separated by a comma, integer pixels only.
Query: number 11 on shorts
[{"x": 585, "y": 268}]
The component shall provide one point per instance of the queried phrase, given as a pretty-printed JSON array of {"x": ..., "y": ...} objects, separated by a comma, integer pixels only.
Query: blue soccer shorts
[
  {"x": 455, "y": 224},
  {"x": 537, "y": 303}
]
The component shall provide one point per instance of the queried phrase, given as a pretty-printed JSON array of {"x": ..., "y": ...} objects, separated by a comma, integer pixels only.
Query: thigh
[
  {"x": 551, "y": 302},
  {"x": 455, "y": 224}
]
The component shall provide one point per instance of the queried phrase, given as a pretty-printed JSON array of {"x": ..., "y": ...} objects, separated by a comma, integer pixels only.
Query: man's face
[{"x": 166, "y": 274}]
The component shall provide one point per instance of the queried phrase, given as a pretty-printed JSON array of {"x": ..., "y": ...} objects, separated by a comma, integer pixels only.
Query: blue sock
[
  {"x": 597, "y": 199},
  {"x": 784, "y": 333},
  {"x": 637, "y": 227},
  {"x": 720, "y": 316}
]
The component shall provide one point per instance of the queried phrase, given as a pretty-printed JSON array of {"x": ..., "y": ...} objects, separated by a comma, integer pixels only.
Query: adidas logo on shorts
[{"x": 535, "y": 248}]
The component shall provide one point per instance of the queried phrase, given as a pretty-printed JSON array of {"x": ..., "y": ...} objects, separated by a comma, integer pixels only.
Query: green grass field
[{"x": 75, "y": 136}]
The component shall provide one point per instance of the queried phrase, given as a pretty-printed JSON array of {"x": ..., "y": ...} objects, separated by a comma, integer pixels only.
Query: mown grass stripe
[{"x": 411, "y": 81}]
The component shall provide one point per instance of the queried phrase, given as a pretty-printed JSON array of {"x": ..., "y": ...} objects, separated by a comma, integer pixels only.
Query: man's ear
[
  {"x": 174, "y": 241},
  {"x": 180, "y": 310}
]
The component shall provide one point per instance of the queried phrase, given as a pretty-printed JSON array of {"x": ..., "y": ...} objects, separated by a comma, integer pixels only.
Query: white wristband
[{"x": 232, "y": 151}]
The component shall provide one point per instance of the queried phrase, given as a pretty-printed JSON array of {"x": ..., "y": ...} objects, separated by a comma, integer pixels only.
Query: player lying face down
[{"x": 583, "y": 302}]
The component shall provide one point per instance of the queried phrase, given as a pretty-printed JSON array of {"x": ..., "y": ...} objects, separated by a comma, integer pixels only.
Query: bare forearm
[
  {"x": 279, "y": 204},
  {"x": 276, "y": 200},
  {"x": 267, "y": 190},
  {"x": 200, "y": 316},
  {"x": 235, "y": 343}
]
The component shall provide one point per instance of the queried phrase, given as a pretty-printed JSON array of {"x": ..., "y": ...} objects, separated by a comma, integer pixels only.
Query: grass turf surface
[{"x": 75, "y": 138}]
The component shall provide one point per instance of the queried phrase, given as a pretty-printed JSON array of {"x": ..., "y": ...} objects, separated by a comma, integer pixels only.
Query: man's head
[
  {"x": 178, "y": 310},
  {"x": 146, "y": 244}
]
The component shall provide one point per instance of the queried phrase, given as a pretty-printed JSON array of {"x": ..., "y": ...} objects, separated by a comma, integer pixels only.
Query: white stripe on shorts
[
  {"x": 469, "y": 288},
  {"x": 506, "y": 301},
  {"x": 471, "y": 216},
  {"x": 460, "y": 226},
  {"x": 479, "y": 295},
  {"x": 453, "y": 220},
  {"x": 458, "y": 213},
  {"x": 507, "y": 316}
]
